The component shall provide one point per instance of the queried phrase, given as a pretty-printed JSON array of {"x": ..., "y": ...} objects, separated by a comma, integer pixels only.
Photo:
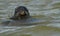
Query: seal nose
[{"x": 22, "y": 13}]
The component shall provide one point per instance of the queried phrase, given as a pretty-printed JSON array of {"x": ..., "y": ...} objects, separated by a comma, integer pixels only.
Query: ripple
[{"x": 44, "y": 8}]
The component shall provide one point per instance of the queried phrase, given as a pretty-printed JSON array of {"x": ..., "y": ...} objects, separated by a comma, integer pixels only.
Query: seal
[
  {"x": 21, "y": 17},
  {"x": 21, "y": 12}
]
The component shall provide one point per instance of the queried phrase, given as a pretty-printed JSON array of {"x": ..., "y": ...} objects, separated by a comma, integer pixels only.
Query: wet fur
[{"x": 17, "y": 17}]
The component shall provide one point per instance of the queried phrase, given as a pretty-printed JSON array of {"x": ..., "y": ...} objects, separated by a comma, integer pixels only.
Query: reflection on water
[{"x": 48, "y": 10}]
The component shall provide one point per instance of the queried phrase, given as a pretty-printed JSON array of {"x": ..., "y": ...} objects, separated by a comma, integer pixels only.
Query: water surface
[{"x": 48, "y": 10}]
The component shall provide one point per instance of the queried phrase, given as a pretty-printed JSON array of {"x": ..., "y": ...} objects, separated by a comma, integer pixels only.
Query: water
[{"x": 48, "y": 10}]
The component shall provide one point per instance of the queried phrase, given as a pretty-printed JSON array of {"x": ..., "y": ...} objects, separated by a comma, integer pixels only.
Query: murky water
[{"x": 48, "y": 10}]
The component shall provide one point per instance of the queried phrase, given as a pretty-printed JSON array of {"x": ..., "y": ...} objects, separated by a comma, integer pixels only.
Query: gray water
[{"x": 48, "y": 10}]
